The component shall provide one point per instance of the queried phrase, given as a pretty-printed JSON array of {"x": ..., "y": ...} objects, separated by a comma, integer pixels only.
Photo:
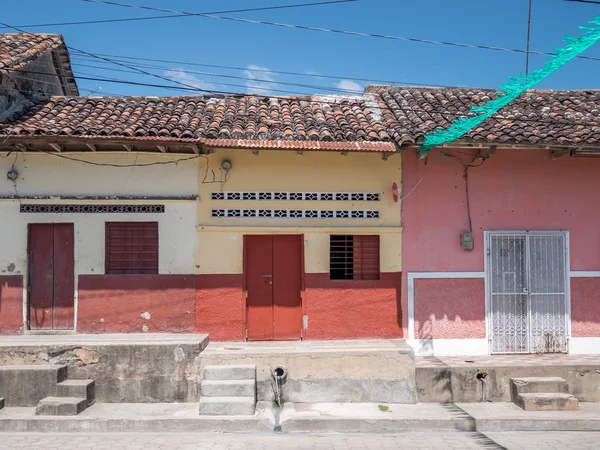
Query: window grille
[{"x": 354, "y": 257}]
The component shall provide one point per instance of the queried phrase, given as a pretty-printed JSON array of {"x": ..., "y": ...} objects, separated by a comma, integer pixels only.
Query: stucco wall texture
[
  {"x": 585, "y": 307},
  {"x": 449, "y": 308},
  {"x": 11, "y": 304},
  {"x": 513, "y": 190},
  {"x": 136, "y": 303}
]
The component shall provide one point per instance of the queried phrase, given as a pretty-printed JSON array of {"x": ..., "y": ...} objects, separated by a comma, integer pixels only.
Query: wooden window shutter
[
  {"x": 131, "y": 248},
  {"x": 366, "y": 257}
]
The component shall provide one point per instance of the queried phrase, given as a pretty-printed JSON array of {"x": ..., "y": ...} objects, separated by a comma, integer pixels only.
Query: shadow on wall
[{"x": 449, "y": 309}]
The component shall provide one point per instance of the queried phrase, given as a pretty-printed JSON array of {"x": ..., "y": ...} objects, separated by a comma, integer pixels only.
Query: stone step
[
  {"x": 26, "y": 385},
  {"x": 230, "y": 372},
  {"x": 227, "y": 406},
  {"x": 535, "y": 385},
  {"x": 60, "y": 406},
  {"x": 547, "y": 402},
  {"x": 77, "y": 388},
  {"x": 228, "y": 388}
]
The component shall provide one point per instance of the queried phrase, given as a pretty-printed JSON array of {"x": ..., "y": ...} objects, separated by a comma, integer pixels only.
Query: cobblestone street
[{"x": 204, "y": 441}]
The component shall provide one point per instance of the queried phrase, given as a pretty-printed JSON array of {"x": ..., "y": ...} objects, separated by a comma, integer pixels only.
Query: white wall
[{"x": 50, "y": 175}]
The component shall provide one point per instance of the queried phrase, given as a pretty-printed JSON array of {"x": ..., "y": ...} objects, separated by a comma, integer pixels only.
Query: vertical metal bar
[{"x": 528, "y": 294}]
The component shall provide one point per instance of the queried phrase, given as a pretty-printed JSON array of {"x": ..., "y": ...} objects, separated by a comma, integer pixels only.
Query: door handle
[{"x": 267, "y": 275}]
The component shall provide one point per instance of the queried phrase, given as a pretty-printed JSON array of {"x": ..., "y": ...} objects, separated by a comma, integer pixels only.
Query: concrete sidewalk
[{"x": 309, "y": 418}]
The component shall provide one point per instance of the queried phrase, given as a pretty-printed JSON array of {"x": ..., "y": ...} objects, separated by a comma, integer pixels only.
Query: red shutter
[
  {"x": 131, "y": 247},
  {"x": 366, "y": 257}
]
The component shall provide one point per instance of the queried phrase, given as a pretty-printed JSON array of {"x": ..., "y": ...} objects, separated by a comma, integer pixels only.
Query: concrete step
[
  {"x": 547, "y": 402},
  {"x": 535, "y": 385},
  {"x": 230, "y": 372},
  {"x": 228, "y": 388},
  {"x": 60, "y": 406},
  {"x": 26, "y": 385},
  {"x": 78, "y": 388},
  {"x": 227, "y": 406}
]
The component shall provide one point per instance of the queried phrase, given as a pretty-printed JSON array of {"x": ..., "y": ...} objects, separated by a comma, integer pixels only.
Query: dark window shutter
[
  {"x": 366, "y": 257},
  {"x": 131, "y": 248}
]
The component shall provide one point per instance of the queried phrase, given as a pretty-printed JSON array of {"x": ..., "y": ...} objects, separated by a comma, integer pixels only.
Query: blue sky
[{"x": 218, "y": 42}]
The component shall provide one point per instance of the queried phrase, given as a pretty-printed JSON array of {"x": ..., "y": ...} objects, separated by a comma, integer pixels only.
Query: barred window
[
  {"x": 131, "y": 247},
  {"x": 354, "y": 257}
]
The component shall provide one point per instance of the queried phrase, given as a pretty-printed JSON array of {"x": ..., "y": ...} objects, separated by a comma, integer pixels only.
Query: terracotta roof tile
[
  {"x": 232, "y": 119},
  {"x": 538, "y": 117},
  {"x": 17, "y": 50}
]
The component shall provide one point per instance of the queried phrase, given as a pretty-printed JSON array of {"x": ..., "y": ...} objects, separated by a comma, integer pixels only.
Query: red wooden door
[
  {"x": 259, "y": 283},
  {"x": 51, "y": 276},
  {"x": 273, "y": 282},
  {"x": 287, "y": 285}
]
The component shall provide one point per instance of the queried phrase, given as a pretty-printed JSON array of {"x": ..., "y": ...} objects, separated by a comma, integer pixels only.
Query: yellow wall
[{"x": 220, "y": 240}]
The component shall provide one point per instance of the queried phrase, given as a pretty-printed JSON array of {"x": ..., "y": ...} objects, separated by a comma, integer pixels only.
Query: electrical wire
[
  {"x": 328, "y": 30},
  {"x": 172, "y": 16},
  {"x": 278, "y": 72},
  {"x": 260, "y": 80},
  {"x": 257, "y": 80}
]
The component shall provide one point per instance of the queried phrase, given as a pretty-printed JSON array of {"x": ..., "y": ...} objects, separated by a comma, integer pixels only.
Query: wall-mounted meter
[{"x": 466, "y": 241}]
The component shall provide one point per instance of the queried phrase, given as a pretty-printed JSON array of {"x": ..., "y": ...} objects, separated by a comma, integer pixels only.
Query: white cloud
[
  {"x": 350, "y": 85},
  {"x": 259, "y": 82},
  {"x": 182, "y": 76}
]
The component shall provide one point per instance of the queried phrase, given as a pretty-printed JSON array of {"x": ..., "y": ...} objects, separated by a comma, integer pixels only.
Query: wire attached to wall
[{"x": 466, "y": 168}]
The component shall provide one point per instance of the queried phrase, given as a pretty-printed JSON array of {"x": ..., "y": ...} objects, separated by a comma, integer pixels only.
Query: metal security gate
[{"x": 527, "y": 286}]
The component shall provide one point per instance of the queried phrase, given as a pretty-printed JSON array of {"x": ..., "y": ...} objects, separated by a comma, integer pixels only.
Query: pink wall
[
  {"x": 585, "y": 307},
  {"x": 449, "y": 308},
  {"x": 513, "y": 190}
]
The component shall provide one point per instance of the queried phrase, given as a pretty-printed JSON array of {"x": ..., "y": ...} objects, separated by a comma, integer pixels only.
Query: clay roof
[
  {"x": 538, "y": 117},
  {"x": 19, "y": 49},
  {"x": 336, "y": 123}
]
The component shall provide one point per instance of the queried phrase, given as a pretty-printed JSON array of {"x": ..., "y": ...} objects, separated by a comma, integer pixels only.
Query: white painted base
[
  {"x": 449, "y": 347},
  {"x": 584, "y": 346}
]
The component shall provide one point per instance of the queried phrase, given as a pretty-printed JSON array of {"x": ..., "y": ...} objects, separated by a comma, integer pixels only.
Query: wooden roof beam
[
  {"x": 162, "y": 148},
  {"x": 56, "y": 147},
  {"x": 127, "y": 147},
  {"x": 91, "y": 147}
]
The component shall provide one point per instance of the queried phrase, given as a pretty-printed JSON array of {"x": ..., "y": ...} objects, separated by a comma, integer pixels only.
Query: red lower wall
[
  {"x": 352, "y": 309},
  {"x": 449, "y": 308},
  {"x": 220, "y": 306},
  {"x": 335, "y": 309},
  {"x": 11, "y": 304},
  {"x": 585, "y": 307},
  {"x": 129, "y": 303}
]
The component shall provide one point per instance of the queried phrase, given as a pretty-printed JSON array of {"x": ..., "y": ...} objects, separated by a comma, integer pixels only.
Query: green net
[{"x": 515, "y": 87}]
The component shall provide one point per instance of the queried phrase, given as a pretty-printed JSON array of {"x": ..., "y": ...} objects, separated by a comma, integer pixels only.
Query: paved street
[{"x": 203, "y": 441}]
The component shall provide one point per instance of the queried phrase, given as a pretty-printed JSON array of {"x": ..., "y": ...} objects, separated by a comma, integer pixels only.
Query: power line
[
  {"x": 262, "y": 70},
  {"x": 328, "y": 30},
  {"x": 258, "y": 80},
  {"x": 172, "y": 16},
  {"x": 595, "y": 2}
]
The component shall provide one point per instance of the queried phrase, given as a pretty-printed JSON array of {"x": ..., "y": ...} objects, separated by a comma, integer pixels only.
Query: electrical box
[{"x": 466, "y": 241}]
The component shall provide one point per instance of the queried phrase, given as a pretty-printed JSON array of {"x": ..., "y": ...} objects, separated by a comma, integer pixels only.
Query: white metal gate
[{"x": 527, "y": 285}]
